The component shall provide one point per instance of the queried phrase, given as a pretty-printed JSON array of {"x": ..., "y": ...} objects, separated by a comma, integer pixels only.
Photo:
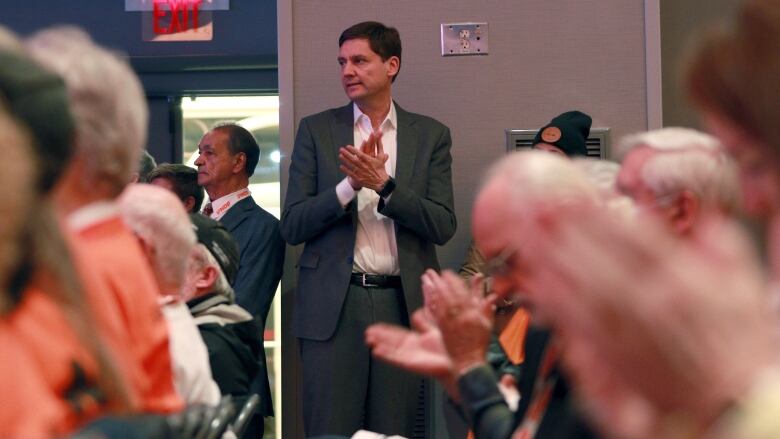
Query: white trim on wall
[
  {"x": 653, "y": 64},
  {"x": 289, "y": 413}
]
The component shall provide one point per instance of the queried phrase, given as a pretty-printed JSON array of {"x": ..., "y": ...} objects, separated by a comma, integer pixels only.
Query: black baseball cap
[{"x": 220, "y": 243}]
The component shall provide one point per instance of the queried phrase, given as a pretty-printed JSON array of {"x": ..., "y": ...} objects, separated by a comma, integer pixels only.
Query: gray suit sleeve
[
  {"x": 308, "y": 209},
  {"x": 432, "y": 216}
]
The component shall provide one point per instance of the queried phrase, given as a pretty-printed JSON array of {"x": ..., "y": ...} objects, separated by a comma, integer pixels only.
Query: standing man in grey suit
[
  {"x": 370, "y": 194},
  {"x": 227, "y": 158}
]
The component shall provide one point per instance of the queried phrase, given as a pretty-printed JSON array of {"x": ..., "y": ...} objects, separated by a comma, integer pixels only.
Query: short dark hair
[
  {"x": 384, "y": 41},
  {"x": 241, "y": 140},
  {"x": 183, "y": 179}
]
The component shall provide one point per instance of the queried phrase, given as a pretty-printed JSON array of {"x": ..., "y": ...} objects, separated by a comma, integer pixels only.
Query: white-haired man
[
  {"x": 232, "y": 336},
  {"x": 677, "y": 174},
  {"x": 110, "y": 115},
  {"x": 453, "y": 330},
  {"x": 161, "y": 225}
]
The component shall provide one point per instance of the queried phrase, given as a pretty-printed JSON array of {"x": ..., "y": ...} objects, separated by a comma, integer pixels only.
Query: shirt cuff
[{"x": 344, "y": 192}]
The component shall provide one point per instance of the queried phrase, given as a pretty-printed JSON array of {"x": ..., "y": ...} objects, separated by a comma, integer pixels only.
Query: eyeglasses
[{"x": 499, "y": 264}]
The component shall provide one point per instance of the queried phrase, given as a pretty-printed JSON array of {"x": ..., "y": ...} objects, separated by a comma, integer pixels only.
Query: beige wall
[
  {"x": 680, "y": 22},
  {"x": 546, "y": 57}
]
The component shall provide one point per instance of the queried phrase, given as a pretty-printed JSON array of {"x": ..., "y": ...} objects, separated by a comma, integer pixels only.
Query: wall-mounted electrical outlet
[{"x": 464, "y": 39}]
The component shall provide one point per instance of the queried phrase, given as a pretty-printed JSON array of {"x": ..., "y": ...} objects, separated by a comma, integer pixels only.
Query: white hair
[
  {"x": 534, "y": 177},
  {"x": 602, "y": 173},
  {"x": 106, "y": 100},
  {"x": 687, "y": 160},
  {"x": 159, "y": 219},
  {"x": 201, "y": 258}
]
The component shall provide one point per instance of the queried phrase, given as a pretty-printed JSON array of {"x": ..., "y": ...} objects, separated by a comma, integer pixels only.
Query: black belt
[{"x": 375, "y": 280}]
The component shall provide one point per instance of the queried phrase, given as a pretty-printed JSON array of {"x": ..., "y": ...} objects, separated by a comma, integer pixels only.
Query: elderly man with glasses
[{"x": 451, "y": 333}]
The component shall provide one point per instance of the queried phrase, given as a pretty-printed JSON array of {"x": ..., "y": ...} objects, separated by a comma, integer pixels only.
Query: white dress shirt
[
  {"x": 222, "y": 204},
  {"x": 376, "y": 251}
]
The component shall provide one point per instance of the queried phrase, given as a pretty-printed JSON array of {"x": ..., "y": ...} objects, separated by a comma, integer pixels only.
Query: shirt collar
[
  {"x": 222, "y": 204},
  {"x": 391, "y": 118},
  {"x": 91, "y": 214}
]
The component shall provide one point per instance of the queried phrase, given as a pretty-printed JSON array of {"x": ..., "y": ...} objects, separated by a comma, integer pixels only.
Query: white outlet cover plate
[{"x": 459, "y": 39}]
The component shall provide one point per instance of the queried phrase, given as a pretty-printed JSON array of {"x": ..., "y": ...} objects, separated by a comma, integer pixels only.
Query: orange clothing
[
  {"x": 107, "y": 317},
  {"x": 111, "y": 251},
  {"x": 59, "y": 358},
  {"x": 512, "y": 338},
  {"x": 28, "y": 408}
]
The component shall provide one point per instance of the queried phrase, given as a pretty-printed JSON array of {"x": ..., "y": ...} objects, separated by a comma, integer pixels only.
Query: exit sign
[
  {"x": 148, "y": 5},
  {"x": 176, "y": 20}
]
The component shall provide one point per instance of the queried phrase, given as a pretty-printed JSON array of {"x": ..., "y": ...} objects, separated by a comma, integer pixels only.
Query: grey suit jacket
[
  {"x": 261, "y": 260},
  {"x": 421, "y": 207}
]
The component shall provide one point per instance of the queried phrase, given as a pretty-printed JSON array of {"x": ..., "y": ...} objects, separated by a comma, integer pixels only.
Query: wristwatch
[{"x": 387, "y": 189}]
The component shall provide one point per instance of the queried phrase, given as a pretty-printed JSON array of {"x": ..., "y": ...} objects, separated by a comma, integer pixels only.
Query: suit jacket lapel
[
  {"x": 235, "y": 215},
  {"x": 407, "y": 146},
  {"x": 342, "y": 131}
]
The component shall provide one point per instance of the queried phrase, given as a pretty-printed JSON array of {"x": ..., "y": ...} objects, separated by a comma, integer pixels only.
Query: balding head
[{"x": 518, "y": 191}]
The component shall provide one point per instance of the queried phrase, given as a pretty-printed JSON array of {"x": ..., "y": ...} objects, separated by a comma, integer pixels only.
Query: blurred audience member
[
  {"x": 182, "y": 181},
  {"x": 680, "y": 175},
  {"x": 166, "y": 237},
  {"x": 668, "y": 337},
  {"x": 452, "y": 332},
  {"x": 36, "y": 410},
  {"x": 232, "y": 336},
  {"x": 110, "y": 115},
  {"x": 604, "y": 174},
  {"x": 48, "y": 324}
]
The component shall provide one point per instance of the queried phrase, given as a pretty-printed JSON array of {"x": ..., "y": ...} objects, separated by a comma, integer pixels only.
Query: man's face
[
  {"x": 759, "y": 167},
  {"x": 363, "y": 73},
  {"x": 215, "y": 162},
  {"x": 496, "y": 234},
  {"x": 549, "y": 148}
]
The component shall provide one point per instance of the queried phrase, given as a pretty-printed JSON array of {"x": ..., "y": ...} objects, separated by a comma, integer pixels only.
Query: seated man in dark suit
[{"x": 232, "y": 337}]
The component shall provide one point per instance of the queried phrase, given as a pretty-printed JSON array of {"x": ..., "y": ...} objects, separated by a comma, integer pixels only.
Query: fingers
[
  {"x": 421, "y": 321},
  {"x": 385, "y": 337},
  {"x": 350, "y": 155},
  {"x": 368, "y": 145},
  {"x": 380, "y": 149}
]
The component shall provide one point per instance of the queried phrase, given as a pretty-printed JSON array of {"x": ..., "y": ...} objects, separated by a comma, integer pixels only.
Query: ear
[
  {"x": 189, "y": 204},
  {"x": 393, "y": 65},
  {"x": 685, "y": 212},
  {"x": 206, "y": 278},
  {"x": 239, "y": 163}
]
